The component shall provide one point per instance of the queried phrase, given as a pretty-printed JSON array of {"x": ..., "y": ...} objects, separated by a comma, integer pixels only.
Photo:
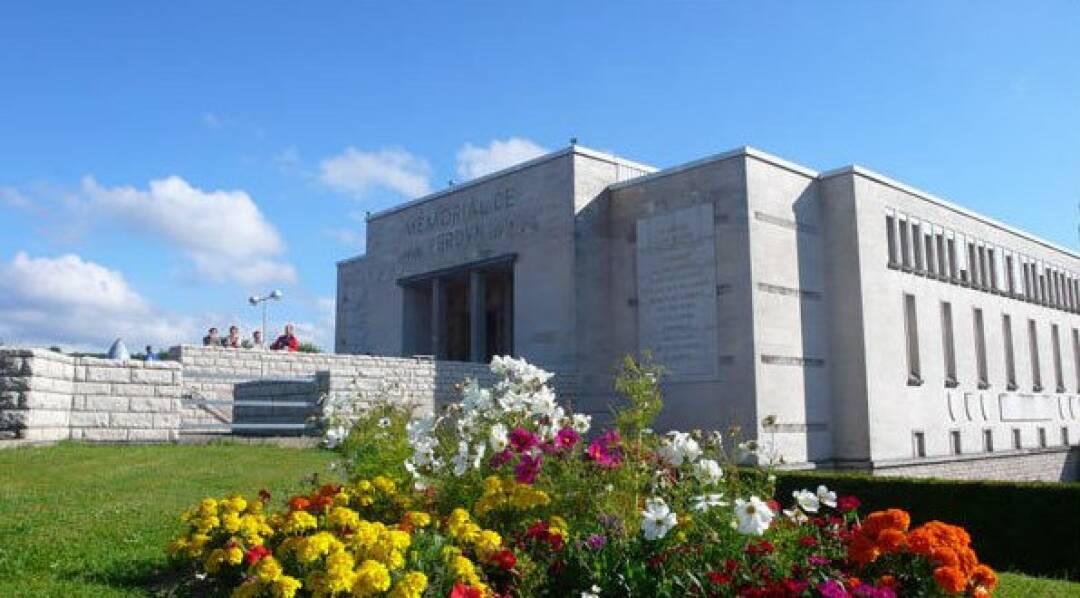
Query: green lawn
[{"x": 79, "y": 520}]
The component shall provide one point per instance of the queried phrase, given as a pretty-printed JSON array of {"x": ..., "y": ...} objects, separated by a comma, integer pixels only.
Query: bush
[{"x": 1025, "y": 526}]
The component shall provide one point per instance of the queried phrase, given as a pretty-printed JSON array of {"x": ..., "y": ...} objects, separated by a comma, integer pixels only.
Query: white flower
[
  {"x": 657, "y": 519},
  {"x": 581, "y": 422},
  {"x": 826, "y": 496},
  {"x": 679, "y": 448},
  {"x": 796, "y": 516},
  {"x": 708, "y": 472},
  {"x": 807, "y": 501},
  {"x": 497, "y": 438},
  {"x": 594, "y": 592},
  {"x": 384, "y": 422},
  {"x": 707, "y": 501},
  {"x": 754, "y": 516}
]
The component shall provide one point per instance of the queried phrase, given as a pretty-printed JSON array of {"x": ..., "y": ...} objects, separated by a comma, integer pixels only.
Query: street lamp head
[
  {"x": 276, "y": 295},
  {"x": 253, "y": 300}
]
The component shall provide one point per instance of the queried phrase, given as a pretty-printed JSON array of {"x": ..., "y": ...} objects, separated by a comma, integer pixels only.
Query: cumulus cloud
[
  {"x": 223, "y": 233},
  {"x": 473, "y": 161},
  {"x": 78, "y": 303},
  {"x": 360, "y": 173}
]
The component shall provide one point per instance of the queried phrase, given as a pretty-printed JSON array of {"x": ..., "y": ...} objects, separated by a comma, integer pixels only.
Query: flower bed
[{"x": 505, "y": 495}]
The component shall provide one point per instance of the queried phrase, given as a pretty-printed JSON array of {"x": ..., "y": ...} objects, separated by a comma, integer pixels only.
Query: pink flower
[
  {"x": 527, "y": 469},
  {"x": 501, "y": 458},
  {"x": 522, "y": 440},
  {"x": 567, "y": 438},
  {"x": 604, "y": 451}
]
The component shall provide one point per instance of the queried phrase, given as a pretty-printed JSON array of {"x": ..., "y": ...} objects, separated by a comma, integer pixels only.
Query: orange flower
[
  {"x": 862, "y": 550},
  {"x": 891, "y": 540},
  {"x": 887, "y": 581},
  {"x": 299, "y": 503},
  {"x": 950, "y": 579},
  {"x": 879, "y": 521},
  {"x": 945, "y": 557},
  {"x": 984, "y": 577},
  {"x": 853, "y": 582}
]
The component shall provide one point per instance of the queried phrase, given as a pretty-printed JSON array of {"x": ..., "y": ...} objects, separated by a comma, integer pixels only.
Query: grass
[{"x": 82, "y": 520}]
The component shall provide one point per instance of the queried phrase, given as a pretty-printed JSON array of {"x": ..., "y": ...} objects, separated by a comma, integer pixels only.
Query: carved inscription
[{"x": 676, "y": 280}]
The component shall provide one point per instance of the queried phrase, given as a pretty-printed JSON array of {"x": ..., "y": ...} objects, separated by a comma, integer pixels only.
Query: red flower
[
  {"x": 256, "y": 554},
  {"x": 264, "y": 495},
  {"x": 846, "y": 504},
  {"x": 719, "y": 578},
  {"x": 762, "y": 547},
  {"x": 299, "y": 503},
  {"x": 808, "y": 541},
  {"x": 505, "y": 559},
  {"x": 463, "y": 591}
]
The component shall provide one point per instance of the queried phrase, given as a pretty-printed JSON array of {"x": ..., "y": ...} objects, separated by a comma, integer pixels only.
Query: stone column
[
  {"x": 477, "y": 317},
  {"x": 436, "y": 318}
]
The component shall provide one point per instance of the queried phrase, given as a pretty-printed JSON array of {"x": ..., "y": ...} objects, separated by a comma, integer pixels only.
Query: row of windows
[
  {"x": 932, "y": 251},
  {"x": 918, "y": 440},
  {"x": 982, "y": 376}
]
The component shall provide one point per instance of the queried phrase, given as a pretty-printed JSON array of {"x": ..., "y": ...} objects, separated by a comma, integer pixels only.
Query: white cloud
[
  {"x": 473, "y": 161},
  {"x": 78, "y": 303},
  {"x": 11, "y": 197},
  {"x": 347, "y": 237},
  {"x": 223, "y": 233},
  {"x": 321, "y": 331},
  {"x": 361, "y": 173}
]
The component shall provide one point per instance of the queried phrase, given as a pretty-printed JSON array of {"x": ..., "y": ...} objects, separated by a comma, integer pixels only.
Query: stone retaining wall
[
  {"x": 1046, "y": 465},
  {"x": 47, "y": 396}
]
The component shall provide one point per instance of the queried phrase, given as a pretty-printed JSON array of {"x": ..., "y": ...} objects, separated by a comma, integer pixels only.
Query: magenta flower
[
  {"x": 526, "y": 470},
  {"x": 832, "y": 589},
  {"x": 522, "y": 440},
  {"x": 501, "y": 458},
  {"x": 567, "y": 438},
  {"x": 604, "y": 451},
  {"x": 596, "y": 541}
]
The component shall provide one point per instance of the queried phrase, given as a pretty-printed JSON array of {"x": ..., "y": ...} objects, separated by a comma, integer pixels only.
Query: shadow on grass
[{"x": 149, "y": 578}]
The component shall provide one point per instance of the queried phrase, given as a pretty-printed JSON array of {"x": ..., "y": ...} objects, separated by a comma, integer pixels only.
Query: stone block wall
[
  {"x": 47, "y": 396},
  {"x": 1045, "y": 465}
]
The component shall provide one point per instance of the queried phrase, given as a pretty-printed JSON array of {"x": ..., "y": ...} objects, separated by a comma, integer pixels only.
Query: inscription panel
[{"x": 676, "y": 287}]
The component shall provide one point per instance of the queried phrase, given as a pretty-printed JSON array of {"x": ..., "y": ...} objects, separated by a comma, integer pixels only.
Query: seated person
[
  {"x": 150, "y": 355},
  {"x": 211, "y": 339},
  {"x": 233, "y": 340},
  {"x": 287, "y": 341},
  {"x": 256, "y": 341}
]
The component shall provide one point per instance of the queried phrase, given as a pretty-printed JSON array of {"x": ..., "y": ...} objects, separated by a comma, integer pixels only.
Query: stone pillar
[
  {"x": 436, "y": 318},
  {"x": 477, "y": 317}
]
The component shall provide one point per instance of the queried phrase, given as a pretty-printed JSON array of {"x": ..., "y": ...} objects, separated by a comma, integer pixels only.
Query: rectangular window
[
  {"x": 890, "y": 237},
  {"x": 911, "y": 329},
  {"x": 1018, "y": 442},
  {"x": 984, "y": 269},
  {"x": 905, "y": 246},
  {"x": 988, "y": 440},
  {"x": 1043, "y": 293},
  {"x": 1055, "y": 346},
  {"x": 954, "y": 274},
  {"x": 1076, "y": 356},
  {"x": 916, "y": 246},
  {"x": 1027, "y": 280},
  {"x": 1042, "y": 437},
  {"x": 1010, "y": 357},
  {"x": 980, "y": 350},
  {"x": 992, "y": 260},
  {"x": 1065, "y": 435},
  {"x": 954, "y": 442},
  {"x": 918, "y": 444},
  {"x": 931, "y": 263},
  {"x": 948, "y": 345},
  {"x": 1010, "y": 279},
  {"x": 973, "y": 265},
  {"x": 942, "y": 268},
  {"x": 1033, "y": 344}
]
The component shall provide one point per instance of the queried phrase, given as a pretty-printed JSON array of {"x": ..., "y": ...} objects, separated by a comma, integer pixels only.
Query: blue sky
[{"x": 159, "y": 162}]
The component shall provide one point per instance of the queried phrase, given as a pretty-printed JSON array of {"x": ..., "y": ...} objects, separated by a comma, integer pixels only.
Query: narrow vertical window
[
  {"x": 1010, "y": 279},
  {"x": 992, "y": 259},
  {"x": 890, "y": 237},
  {"x": 911, "y": 330},
  {"x": 973, "y": 265},
  {"x": 980, "y": 349},
  {"x": 1076, "y": 356},
  {"x": 953, "y": 274},
  {"x": 916, "y": 246},
  {"x": 1065, "y": 435},
  {"x": 988, "y": 440},
  {"x": 905, "y": 246},
  {"x": 1018, "y": 442},
  {"x": 954, "y": 442},
  {"x": 1044, "y": 295},
  {"x": 942, "y": 268},
  {"x": 1027, "y": 281},
  {"x": 984, "y": 270},
  {"x": 1042, "y": 437},
  {"x": 931, "y": 264},
  {"x": 1055, "y": 346},
  {"x": 918, "y": 444},
  {"x": 948, "y": 345},
  {"x": 1033, "y": 343},
  {"x": 1010, "y": 357}
]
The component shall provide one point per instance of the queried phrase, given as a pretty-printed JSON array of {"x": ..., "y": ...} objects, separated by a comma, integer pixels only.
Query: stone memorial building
[{"x": 842, "y": 318}]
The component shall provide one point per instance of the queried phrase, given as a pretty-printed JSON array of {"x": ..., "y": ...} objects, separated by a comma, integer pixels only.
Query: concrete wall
[{"x": 49, "y": 396}]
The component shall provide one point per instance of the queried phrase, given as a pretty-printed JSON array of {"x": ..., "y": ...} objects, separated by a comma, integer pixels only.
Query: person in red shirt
[{"x": 287, "y": 341}]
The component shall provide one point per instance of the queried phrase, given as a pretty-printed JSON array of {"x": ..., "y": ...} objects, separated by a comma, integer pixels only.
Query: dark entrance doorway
[{"x": 462, "y": 314}]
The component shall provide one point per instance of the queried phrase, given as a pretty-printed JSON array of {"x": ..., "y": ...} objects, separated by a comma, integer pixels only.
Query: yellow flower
[
  {"x": 342, "y": 517},
  {"x": 411, "y": 585},
  {"x": 267, "y": 569},
  {"x": 488, "y": 543},
  {"x": 418, "y": 518},
  {"x": 235, "y": 503},
  {"x": 249, "y": 589},
  {"x": 299, "y": 521},
  {"x": 231, "y": 522},
  {"x": 234, "y": 555},
  {"x": 340, "y": 576},
  {"x": 285, "y": 587},
  {"x": 311, "y": 548},
  {"x": 371, "y": 578}
]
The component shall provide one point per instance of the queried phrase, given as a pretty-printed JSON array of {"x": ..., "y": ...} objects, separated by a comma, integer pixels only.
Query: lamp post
[{"x": 256, "y": 299}]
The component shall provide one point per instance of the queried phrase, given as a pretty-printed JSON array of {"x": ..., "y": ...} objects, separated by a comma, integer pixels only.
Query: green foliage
[
  {"x": 308, "y": 347},
  {"x": 377, "y": 444},
  {"x": 1015, "y": 526},
  {"x": 639, "y": 383}
]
